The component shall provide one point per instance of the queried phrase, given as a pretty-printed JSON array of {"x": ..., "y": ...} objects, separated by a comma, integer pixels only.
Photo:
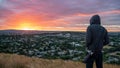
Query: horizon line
[{"x": 52, "y": 30}]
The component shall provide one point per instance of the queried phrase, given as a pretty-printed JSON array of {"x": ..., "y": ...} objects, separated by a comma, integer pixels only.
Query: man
[{"x": 96, "y": 38}]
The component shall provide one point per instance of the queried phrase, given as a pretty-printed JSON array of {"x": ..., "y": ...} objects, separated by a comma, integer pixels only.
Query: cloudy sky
[{"x": 68, "y": 15}]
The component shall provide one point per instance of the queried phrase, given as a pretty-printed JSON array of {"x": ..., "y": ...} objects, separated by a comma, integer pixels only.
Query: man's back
[{"x": 96, "y": 35}]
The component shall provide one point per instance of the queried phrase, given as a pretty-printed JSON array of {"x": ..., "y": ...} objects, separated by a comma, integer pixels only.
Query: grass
[{"x": 20, "y": 61}]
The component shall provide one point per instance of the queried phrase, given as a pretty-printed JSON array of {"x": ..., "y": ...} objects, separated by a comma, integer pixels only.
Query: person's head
[{"x": 95, "y": 19}]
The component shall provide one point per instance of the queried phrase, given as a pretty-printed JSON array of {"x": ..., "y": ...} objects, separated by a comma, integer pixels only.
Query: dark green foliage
[{"x": 48, "y": 45}]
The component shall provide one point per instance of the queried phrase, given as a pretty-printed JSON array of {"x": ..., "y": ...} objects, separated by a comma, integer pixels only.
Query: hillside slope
[{"x": 20, "y": 61}]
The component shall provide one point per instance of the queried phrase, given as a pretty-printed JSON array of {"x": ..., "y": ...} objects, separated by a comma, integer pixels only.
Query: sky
[{"x": 58, "y": 15}]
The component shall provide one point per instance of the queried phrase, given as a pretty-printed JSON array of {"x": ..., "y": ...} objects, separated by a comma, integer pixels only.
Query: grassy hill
[{"x": 20, "y": 61}]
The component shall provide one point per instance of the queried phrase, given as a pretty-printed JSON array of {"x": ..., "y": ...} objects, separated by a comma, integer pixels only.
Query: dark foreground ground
[{"x": 20, "y": 61}]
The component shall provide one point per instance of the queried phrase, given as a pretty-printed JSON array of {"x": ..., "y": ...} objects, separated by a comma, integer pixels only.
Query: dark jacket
[{"x": 97, "y": 35}]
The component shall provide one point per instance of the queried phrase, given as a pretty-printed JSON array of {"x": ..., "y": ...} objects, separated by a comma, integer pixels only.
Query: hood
[{"x": 95, "y": 20}]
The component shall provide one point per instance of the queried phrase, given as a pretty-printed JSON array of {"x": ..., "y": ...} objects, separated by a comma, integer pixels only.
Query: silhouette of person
[{"x": 96, "y": 38}]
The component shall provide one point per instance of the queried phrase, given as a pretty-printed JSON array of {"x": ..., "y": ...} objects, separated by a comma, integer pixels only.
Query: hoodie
[{"x": 96, "y": 35}]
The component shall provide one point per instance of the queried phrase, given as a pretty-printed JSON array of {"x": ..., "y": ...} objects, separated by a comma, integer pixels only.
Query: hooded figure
[
  {"x": 97, "y": 35},
  {"x": 96, "y": 38}
]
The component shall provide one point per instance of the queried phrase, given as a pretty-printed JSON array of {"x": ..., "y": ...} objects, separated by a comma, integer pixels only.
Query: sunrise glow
[{"x": 27, "y": 28}]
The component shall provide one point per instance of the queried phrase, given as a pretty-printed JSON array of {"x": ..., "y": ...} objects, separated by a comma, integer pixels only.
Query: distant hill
[
  {"x": 19, "y": 32},
  {"x": 20, "y": 61}
]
